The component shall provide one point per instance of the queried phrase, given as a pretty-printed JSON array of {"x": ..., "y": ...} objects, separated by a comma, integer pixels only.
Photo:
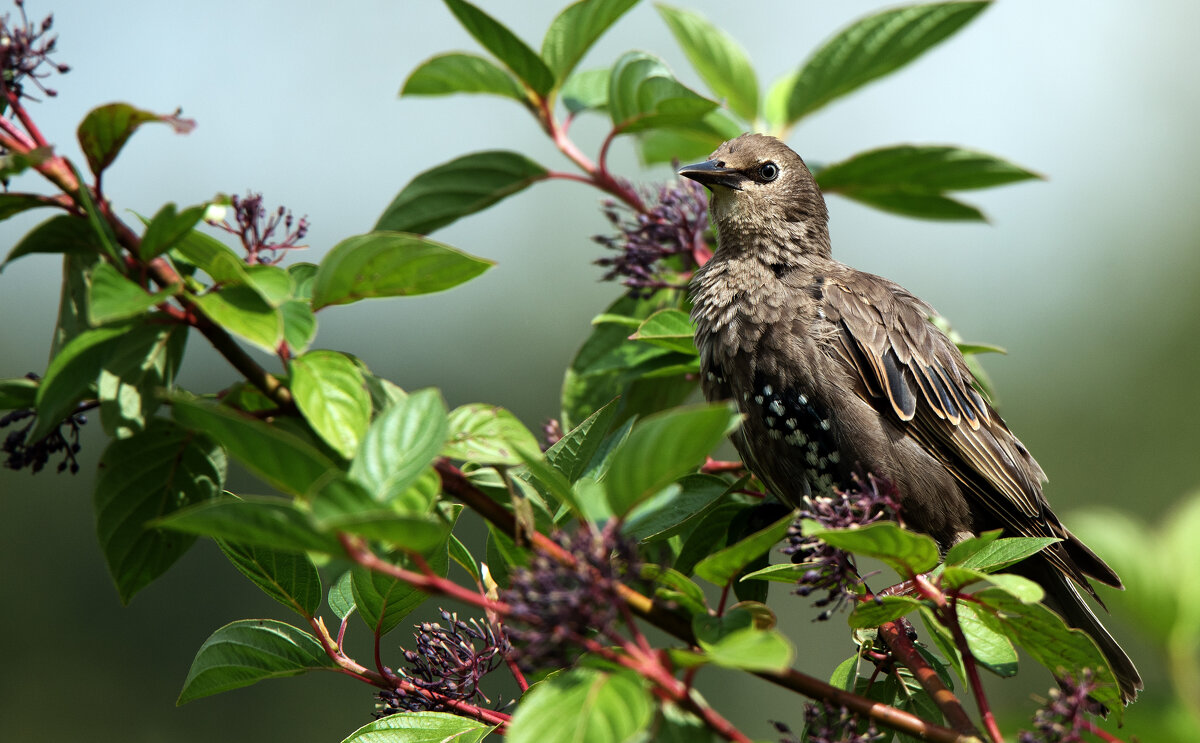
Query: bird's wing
[{"x": 911, "y": 372}]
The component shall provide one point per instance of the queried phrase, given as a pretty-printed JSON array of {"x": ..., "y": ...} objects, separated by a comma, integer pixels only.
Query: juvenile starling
[{"x": 839, "y": 371}]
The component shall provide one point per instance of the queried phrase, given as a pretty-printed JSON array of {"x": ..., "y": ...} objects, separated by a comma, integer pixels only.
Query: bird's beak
[{"x": 711, "y": 174}]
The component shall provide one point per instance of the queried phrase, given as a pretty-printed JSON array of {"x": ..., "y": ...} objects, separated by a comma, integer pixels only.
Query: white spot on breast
[{"x": 777, "y": 407}]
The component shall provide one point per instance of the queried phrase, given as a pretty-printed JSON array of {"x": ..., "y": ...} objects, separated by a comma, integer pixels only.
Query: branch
[{"x": 897, "y": 640}]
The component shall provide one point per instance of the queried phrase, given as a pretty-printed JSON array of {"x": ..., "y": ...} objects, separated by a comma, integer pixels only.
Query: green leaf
[
  {"x": 688, "y": 141},
  {"x": 576, "y": 29},
  {"x": 784, "y": 572},
  {"x": 71, "y": 373},
  {"x": 487, "y": 434},
  {"x": 18, "y": 392},
  {"x": 114, "y": 297},
  {"x": 881, "y": 610},
  {"x": 383, "y": 601},
  {"x": 452, "y": 190},
  {"x": 400, "y": 443},
  {"x": 290, "y": 578},
  {"x": 280, "y": 458},
  {"x": 341, "y": 596},
  {"x": 1021, "y": 588},
  {"x": 460, "y": 554},
  {"x": 213, "y": 257},
  {"x": 329, "y": 390},
  {"x": 73, "y": 302},
  {"x": 143, "y": 478},
  {"x": 390, "y": 264},
  {"x": 914, "y": 203},
  {"x": 242, "y": 311},
  {"x": 256, "y": 520},
  {"x": 167, "y": 228},
  {"x": 421, "y": 727},
  {"x": 299, "y": 324},
  {"x": 12, "y": 204},
  {"x": 870, "y": 48},
  {"x": 603, "y": 708},
  {"x": 60, "y": 234},
  {"x": 586, "y": 90},
  {"x": 672, "y": 510},
  {"x": 1001, "y": 553},
  {"x": 987, "y": 640},
  {"x": 845, "y": 674},
  {"x": 140, "y": 364},
  {"x": 414, "y": 532},
  {"x": 572, "y": 454},
  {"x": 968, "y": 547},
  {"x": 550, "y": 481},
  {"x": 674, "y": 586},
  {"x": 446, "y": 74},
  {"x": 643, "y": 94},
  {"x": 720, "y": 567},
  {"x": 751, "y": 649},
  {"x": 106, "y": 129},
  {"x": 671, "y": 329},
  {"x": 931, "y": 169},
  {"x": 272, "y": 283},
  {"x": 248, "y": 651},
  {"x": 906, "y": 552},
  {"x": 497, "y": 39},
  {"x": 720, "y": 61}
]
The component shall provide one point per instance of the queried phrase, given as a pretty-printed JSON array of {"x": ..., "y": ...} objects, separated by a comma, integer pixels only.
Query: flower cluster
[
  {"x": 555, "y": 606},
  {"x": 672, "y": 226},
  {"x": 552, "y": 433},
  {"x": 825, "y": 723},
  {"x": 1063, "y": 719},
  {"x": 21, "y": 453},
  {"x": 25, "y": 51},
  {"x": 448, "y": 662},
  {"x": 256, "y": 229},
  {"x": 831, "y": 569}
]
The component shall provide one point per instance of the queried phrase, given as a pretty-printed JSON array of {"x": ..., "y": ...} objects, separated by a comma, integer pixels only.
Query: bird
[{"x": 838, "y": 371}]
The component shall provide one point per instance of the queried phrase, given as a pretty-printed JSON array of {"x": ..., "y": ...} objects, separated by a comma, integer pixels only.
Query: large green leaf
[
  {"x": 146, "y": 477},
  {"x": 576, "y": 29},
  {"x": 643, "y": 94},
  {"x": 572, "y": 454},
  {"x": 689, "y": 141},
  {"x": 290, "y": 578},
  {"x": 140, "y": 364},
  {"x": 722, "y": 566},
  {"x": 255, "y": 520},
  {"x": 421, "y": 727},
  {"x": 998, "y": 554},
  {"x": 870, "y": 48},
  {"x": 114, "y": 297},
  {"x": 106, "y": 129},
  {"x": 71, "y": 374},
  {"x": 499, "y": 40},
  {"x": 390, "y": 264},
  {"x": 328, "y": 388},
  {"x": 454, "y": 189},
  {"x": 671, "y": 329},
  {"x": 400, "y": 443},
  {"x": 461, "y": 73},
  {"x": 242, "y": 311},
  {"x": 73, "y": 303},
  {"x": 881, "y": 610},
  {"x": 906, "y": 552},
  {"x": 280, "y": 458},
  {"x": 17, "y": 392},
  {"x": 916, "y": 203},
  {"x": 487, "y": 434},
  {"x": 670, "y": 511},
  {"x": 662, "y": 448},
  {"x": 251, "y": 650},
  {"x": 168, "y": 227},
  {"x": 582, "y": 705},
  {"x": 732, "y": 641},
  {"x": 721, "y": 61},
  {"x": 383, "y": 601},
  {"x": 12, "y": 203},
  {"x": 59, "y": 234},
  {"x": 213, "y": 257},
  {"x": 586, "y": 90},
  {"x": 920, "y": 168}
]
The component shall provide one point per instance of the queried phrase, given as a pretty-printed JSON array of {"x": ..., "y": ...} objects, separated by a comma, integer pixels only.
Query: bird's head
[{"x": 763, "y": 193}]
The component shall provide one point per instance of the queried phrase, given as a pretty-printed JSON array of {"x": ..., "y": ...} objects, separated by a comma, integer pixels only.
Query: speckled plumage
[{"x": 839, "y": 371}]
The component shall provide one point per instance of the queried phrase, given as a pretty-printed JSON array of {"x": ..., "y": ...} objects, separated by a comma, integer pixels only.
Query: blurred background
[{"x": 1089, "y": 279}]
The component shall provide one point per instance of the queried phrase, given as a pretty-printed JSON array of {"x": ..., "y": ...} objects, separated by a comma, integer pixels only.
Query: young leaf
[
  {"x": 143, "y": 478},
  {"x": 662, "y": 448},
  {"x": 140, "y": 364},
  {"x": 1021, "y": 588},
  {"x": 60, "y": 234},
  {"x": 299, "y": 324},
  {"x": 261, "y": 521},
  {"x": 671, "y": 329},
  {"x": 882, "y": 610},
  {"x": 721, "y": 61},
  {"x": 465, "y": 185},
  {"x": 421, "y": 727},
  {"x": 487, "y": 434},
  {"x": 987, "y": 640},
  {"x": 920, "y": 168},
  {"x": 341, "y": 596},
  {"x": 114, "y": 297},
  {"x": 576, "y": 29},
  {"x": 400, "y": 443},
  {"x": 446, "y": 74},
  {"x": 643, "y": 94},
  {"x": 572, "y": 454},
  {"x": 1001, "y": 553},
  {"x": 497, "y": 39},
  {"x": 688, "y": 141},
  {"x": 720, "y": 567},
  {"x": 906, "y": 552},
  {"x": 248, "y": 651},
  {"x": 280, "y": 458},
  {"x": 383, "y": 601},
  {"x": 968, "y": 547},
  {"x": 167, "y": 228},
  {"x": 586, "y": 90},
  {"x": 242, "y": 311},
  {"x": 288, "y": 577},
  {"x": 674, "y": 586},
  {"x": 106, "y": 129},
  {"x": 870, "y": 48},
  {"x": 213, "y": 257},
  {"x": 603, "y": 706},
  {"x": 750, "y": 649},
  {"x": 329, "y": 390},
  {"x": 390, "y": 264}
]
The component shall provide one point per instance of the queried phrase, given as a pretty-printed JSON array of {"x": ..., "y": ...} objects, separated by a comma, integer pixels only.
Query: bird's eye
[{"x": 768, "y": 172}]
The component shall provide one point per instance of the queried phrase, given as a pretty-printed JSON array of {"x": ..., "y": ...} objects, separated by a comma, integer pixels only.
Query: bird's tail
[{"x": 1063, "y": 597}]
